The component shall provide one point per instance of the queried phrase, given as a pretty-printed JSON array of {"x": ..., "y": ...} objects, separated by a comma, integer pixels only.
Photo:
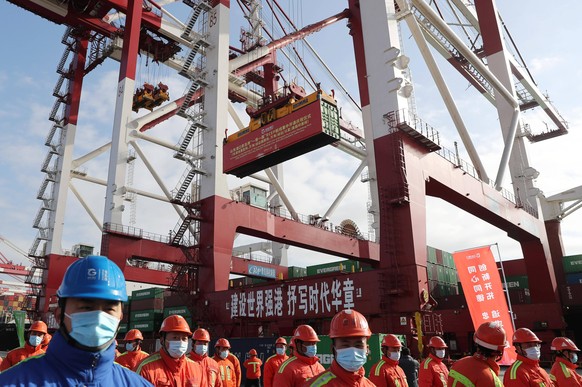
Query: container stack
[
  {"x": 573, "y": 269},
  {"x": 441, "y": 272},
  {"x": 346, "y": 266},
  {"x": 179, "y": 310},
  {"x": 146, "y": 310},
  {"x": 572, "y": 291},
  {"x": 518, "y": 289},
  {"x": 296, "y": 272}
]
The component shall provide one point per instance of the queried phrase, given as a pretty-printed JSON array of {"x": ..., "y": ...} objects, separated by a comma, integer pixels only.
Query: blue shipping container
[{"x": 574, "y": 278}]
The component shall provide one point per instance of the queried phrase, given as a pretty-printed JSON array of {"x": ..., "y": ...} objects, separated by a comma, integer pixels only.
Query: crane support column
[{"x": 118, "y": 158}]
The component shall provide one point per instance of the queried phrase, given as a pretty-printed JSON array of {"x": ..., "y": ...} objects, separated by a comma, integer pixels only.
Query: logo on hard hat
[{"x": 94, "y": 274}]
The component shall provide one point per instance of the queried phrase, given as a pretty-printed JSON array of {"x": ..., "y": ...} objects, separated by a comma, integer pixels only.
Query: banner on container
[
  {"x": 484, "y": 293},
  {"x": 19, "y": 317}
]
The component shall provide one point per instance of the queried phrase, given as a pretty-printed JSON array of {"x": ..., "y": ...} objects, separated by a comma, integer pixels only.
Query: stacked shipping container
[{"x": 441, "y": 273}]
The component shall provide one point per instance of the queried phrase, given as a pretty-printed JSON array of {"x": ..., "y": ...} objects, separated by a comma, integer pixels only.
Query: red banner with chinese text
[{"x": 483, "y": 291}]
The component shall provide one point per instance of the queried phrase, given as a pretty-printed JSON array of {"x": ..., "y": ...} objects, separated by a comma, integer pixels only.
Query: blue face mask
[
  {"x": 34, "y": 340},
  {"x": 351, "y": 359},
  {"x": 280, "y": 351},
  {"x": 93, "y": 329},
  {"x": 311, "y": 350},
  {"x": 574, "y": 358},
  {"x": 130, "y": 346},
  {"x": 201, "y": 349}
]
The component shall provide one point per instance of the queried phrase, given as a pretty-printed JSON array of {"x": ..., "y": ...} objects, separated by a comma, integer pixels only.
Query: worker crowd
[{"x": 82, "y": 352}]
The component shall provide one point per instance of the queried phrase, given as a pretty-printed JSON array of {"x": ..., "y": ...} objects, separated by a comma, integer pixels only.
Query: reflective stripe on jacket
[
  {"x": 163, "y": 370},
  {"x": 336, "y": 376},
  {"x": 474, "y": 371},
  {"x": 387, "y": 373},
  {"x": 564, "y": 373},
  {"x": 433, "y": 372},
  {"x": 131, "y": 359},
  {"x": 526, "y": 372},
  {"x": 65, "y": 365},
  {"x": 296, "y": 370},
  {"x": 271, "y": 367}
]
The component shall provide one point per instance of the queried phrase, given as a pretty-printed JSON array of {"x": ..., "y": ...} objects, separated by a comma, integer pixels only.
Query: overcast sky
[{"x": 546, "y": 39}]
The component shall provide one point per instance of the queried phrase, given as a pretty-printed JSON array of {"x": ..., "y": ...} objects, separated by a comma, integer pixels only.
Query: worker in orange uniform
[
  {"x": 46, "y": 340},
  {"x": 170, "y": 366},
  {"x": 563, "y": 371},
  {"x": 134, "y": 355},
  {"x": 526, "y": 370},
  {"x": 349, "y": 333},
  {"x": 237, "y": 371},
  {"x": 433, "y": 372},
  {"x": 253, "y": 369},
  {"x": 225, "y": 367},
  {"x": 199, "y": 354},
  {"x": 481, "y": 369},
  {"x": 32, "y": 347},
  {"x": 304, "y": 364},
  {"x": 272, "y": 364},
  {"x": 387, "y": 373}
]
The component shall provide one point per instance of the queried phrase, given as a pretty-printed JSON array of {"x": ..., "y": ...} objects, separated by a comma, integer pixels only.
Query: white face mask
[
  {"x": 177, "y": 348},
  {"x": 223, "y": 354},
  {"x": 201, "y": 349},
  {"x": 440, "y": 353},
  {"x": 394, "y": 356},
  {"x": 533, "y": 353}
]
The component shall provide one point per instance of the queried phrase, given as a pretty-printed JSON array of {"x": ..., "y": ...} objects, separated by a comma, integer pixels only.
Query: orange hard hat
[
  {"x": 221, "y": 343},
  {"x": 524, "y": 335},
  {"x": 133, "y": 334},
  {"x": 491, "y": 335},
  {"x": 391, "y": 340},
  {"x": 563, "y": 343},
  {"x": 253, "y": 352},
  {"x": 305, "y": 333},
  {"x": 39, "y": 326},
  {"x": 201, "y": 334},
  {"x": 281, "y": 340},
  {"x": 437, "y": 342},
  {"x": 175, "y": 323},
  {"x": 349, "y": 323}
]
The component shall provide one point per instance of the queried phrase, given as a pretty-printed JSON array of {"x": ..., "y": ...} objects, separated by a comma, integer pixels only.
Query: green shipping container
[
  {"x": 141, "y": 315},
  {"x": 179, "y": 310},
  {"x": 334, "y": 267},
  {"x": 123, "y": 328},
  {"x": 431, "y": 254},
  {"x": 431, "y": 271},
  {"x": 143, "y": 294},
  {"x": 441, "y": 274},
  {"x": 146, "y": 326},
  {"x": 296, "y": 272},
  {"x": 572, "y": 263},
  {"x": 517, "y": 282}
]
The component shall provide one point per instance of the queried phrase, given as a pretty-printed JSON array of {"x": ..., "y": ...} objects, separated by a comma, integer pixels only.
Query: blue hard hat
[{"x": 94, "y": 277}]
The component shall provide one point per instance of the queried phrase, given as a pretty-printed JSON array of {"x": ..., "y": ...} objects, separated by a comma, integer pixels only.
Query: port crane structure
[{"x": 400, "y": 156}]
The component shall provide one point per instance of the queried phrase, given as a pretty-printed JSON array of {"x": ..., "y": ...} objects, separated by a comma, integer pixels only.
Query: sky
[{"x": 546, "y": 40}]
